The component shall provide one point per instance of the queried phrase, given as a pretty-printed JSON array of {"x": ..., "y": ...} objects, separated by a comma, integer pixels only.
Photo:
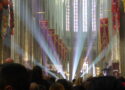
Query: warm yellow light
[
  {"x": 26, "y": 57},
  {"x": 40, "y": 12},
  {"x": 67, "y": 73},
  {"x": 98, "y": 71}
]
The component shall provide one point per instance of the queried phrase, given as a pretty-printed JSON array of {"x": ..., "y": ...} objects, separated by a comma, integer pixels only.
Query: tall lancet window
[
  {"x": 84, "y": 16},
  {"x": 101, "y": 8},
  {"x": 75, "y": 13},
  {"x": 93, "y": 15},
  {"x": 68, "y": 15}
]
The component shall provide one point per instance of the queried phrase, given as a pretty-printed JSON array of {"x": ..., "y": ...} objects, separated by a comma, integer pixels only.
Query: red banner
[
  {"x": 62, "y": 49},
  {"x": 51, "y": 32},
  {"x": 44, "y": 28},
  {"x": 116, "y": 14},
  {"x": 53, "y": 38},
  {"x": 43, "y": 24},
  {"x": 65, "y": 52},
  {"x": 59, "y": 47},
  {"x": 11, "y": 16},
  {"x": 62, "y": 52},
  {"x": 104, "y": 35},
  {"x": 55, "y": 41}
]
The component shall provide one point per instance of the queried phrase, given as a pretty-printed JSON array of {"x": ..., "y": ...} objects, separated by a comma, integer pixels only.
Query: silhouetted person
[
  {"x": 67, "y": 85},
  {"x": 79, "y": 87},
  {"x": 37, "y": 77},
  {"x": 78, "y": 84},
  {"x": 73, "y": 81},
  {"x": 52, "y": 80},
  {"x": 78, "y": 81},
  {"x": 103, "y": 83},
  {"x": 13, "y": 77},
  {"x": 56, "y": 86}
]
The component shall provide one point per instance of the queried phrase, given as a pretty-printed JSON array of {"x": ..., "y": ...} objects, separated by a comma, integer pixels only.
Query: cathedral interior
[{"x": 69, "y": 38}]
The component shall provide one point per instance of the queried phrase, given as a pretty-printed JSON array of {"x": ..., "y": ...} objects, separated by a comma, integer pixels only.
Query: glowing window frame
[
  {"x": 85, "y": 15},
  {"x": 94, "y": 15},
  {"x": 68, "y": 15},
  {"x": 75, "y": 15}
]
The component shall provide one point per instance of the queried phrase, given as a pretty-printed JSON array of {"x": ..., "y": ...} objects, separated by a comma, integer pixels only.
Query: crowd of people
[{"x": 15, "y": 76}]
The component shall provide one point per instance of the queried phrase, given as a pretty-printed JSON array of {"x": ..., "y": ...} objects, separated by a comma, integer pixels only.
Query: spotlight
[
  {"x": 104, "y": 53},
  {"x": 35, "y": 30}
]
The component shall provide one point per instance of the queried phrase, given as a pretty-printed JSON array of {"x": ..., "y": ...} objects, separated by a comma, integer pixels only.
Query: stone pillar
[{"x": 122, "y": 41}]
